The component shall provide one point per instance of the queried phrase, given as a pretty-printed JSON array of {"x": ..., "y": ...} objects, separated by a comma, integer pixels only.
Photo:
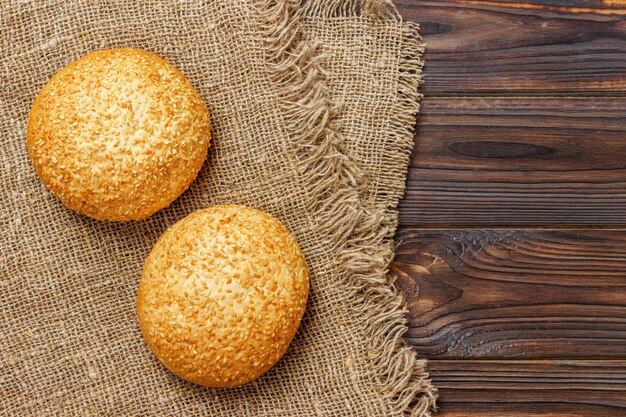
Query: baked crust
[
  {"x": 118, "y": 134},
  {"x": 222, "y": 294}
]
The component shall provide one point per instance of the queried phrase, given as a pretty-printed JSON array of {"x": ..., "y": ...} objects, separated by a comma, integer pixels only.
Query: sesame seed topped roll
[
  {"x": 118, "y": 134},
  {"x": 222, "y": 294}
]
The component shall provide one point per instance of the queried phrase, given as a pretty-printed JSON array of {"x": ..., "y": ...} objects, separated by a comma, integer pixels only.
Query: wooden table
[{"x": 513, "y": 253}]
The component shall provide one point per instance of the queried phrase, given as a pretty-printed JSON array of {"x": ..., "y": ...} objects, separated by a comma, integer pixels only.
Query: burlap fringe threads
[{"x": 365, "y": 249}]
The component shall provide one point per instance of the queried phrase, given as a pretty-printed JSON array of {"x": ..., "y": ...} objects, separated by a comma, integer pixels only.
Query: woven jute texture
[{"x": 312, "y": 106}]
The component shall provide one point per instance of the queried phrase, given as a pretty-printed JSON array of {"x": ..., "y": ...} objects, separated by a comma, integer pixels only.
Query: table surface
[{"x": 512, "y": 231}]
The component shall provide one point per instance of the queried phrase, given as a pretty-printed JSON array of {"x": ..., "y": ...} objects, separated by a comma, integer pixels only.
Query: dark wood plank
[
  {"x": 530, "y": 47},
  {"x": 518, "y": 161},
  {"x": 525, "y": 162},
  {"x": 504, "y": 294},
  {"x": 530, "y": 388}
]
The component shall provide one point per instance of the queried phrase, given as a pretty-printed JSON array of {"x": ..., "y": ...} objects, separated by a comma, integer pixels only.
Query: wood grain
[
  {"x": 518, "y": 161},
  {"x": 490, "y": 155},
  {"x": 508, "y": 294},
  {"x": 524, "y": 388},
  {"x": 533, "y": 47}
]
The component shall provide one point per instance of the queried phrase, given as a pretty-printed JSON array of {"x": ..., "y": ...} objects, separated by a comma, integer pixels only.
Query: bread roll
[
  {"x": 118, "y": 134},
  {"x": 222, "y": 294}
]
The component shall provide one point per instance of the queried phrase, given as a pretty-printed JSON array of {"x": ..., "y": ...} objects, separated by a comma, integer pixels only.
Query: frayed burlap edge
[{"x": 361, "y": 233}]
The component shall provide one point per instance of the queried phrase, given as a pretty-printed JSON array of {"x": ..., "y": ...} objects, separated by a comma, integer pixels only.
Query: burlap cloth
[{"x": 313, "y": 107}]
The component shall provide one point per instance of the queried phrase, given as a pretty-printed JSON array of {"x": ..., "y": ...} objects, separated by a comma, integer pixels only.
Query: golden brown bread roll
[
  {"x": 222, "y": 294},
  {"x": 118, "y": 134}
]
